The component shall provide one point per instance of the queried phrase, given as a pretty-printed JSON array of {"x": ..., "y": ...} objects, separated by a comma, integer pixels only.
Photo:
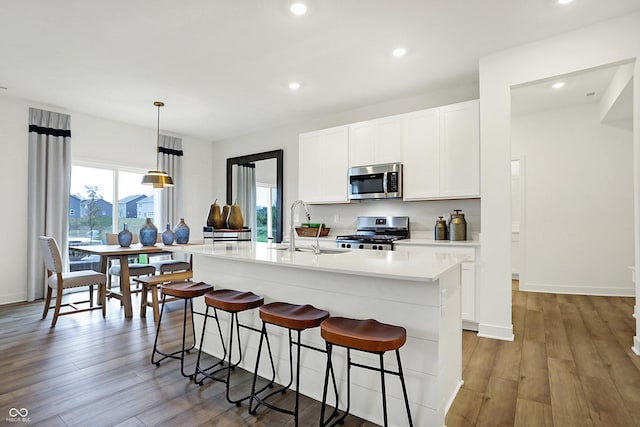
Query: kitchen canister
[
  {"x": 441, "y": 229},
  {"x": 148, "y": 233},
  {"x": 457, "y": 226}
]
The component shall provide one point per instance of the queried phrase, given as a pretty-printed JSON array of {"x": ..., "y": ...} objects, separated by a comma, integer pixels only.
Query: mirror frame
[{"x": 274, "y": 154}]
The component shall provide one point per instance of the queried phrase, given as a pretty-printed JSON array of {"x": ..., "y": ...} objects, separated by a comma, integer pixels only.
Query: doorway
[{"x": 576, "y": 231}]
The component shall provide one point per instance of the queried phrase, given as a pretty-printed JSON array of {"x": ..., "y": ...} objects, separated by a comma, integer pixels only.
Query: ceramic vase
[
  {"x": 125, "y": 237},
  {"x": 181, "y": 231},
  {"x": 148, "y": 233},
  {"x": 168, "y": 236}
]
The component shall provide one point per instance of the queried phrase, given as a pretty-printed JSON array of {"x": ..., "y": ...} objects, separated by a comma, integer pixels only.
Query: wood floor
[
  {"x": 570, "y": 365},
  {"x": 90, "y": 371}
]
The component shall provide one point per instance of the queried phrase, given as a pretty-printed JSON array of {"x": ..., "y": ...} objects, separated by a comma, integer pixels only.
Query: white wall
[
  {"x": 604, "y": 43},
  {"x": 93, "y": 140},
  {"x": 578, "y": 189}
]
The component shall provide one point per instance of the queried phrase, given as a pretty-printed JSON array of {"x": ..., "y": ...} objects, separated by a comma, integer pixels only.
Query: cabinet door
[
  {"x": 460, "y": 150},
  {"x": 322, "y": 166},
  {"x": 361, "y": 144},
  {"x": 421, "y": 155},
  {"x": 334, "y": 156},
  {"x": 309, "y": 167},
  {"x": 468, "y": 284},
  {"x": 388, "y": 140}
]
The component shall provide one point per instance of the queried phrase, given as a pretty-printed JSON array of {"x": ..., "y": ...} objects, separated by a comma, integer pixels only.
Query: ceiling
[
  {"x": 222, "y": 67},
  {"x": 584, "y": 87}
]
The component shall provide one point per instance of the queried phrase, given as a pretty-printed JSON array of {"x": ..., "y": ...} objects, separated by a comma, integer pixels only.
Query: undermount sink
[{"x": 310, "y": 250}]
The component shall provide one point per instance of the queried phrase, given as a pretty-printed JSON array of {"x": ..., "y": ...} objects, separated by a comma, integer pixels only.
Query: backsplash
[{"x": 423, "y": 215}]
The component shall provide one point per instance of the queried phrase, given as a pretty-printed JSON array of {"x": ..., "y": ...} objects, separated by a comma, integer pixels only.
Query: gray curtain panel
[
  {"x": 48, "y": 191},
  {"x": 170, "y": 199},
  {"x": 246, "y": 178}
]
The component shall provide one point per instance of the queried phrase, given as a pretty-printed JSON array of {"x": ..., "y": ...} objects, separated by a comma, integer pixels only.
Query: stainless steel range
[{"x": 376, "y": 232}]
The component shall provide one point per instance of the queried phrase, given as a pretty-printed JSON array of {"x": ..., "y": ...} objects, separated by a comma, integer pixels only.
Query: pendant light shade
[{"x": 158, "y": 178}]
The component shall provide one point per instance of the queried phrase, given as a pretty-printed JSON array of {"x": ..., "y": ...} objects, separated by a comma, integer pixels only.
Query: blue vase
[
  {"x": 181, "y": 230},
  {"x": 168, "y": 236},
  {"x": 148, "y": 234},
  {"x": 125, "y": 237}
]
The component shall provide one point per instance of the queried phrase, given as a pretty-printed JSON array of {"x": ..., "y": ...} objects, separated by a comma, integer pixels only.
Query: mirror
[{"x": 266, "y": 159}]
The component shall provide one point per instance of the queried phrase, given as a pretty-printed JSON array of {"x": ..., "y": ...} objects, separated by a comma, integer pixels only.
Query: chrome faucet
[
  {"x": 316, "y": 247},
  {"x": 292, "y": 231}
]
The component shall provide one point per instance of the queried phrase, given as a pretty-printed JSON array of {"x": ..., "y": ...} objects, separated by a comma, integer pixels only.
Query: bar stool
[
  {"x": 294, "y": 318},
  {"x": 186, "y": 291},
  {"x": 368, "y": 336},
  {"x": 232, "y": 302}
]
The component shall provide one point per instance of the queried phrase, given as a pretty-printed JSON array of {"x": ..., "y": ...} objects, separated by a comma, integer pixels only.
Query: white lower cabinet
[{"x": 469, "y": 279}]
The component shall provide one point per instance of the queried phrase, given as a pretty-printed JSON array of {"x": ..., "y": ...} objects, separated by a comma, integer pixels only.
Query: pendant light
[{"x": 157, "y": 178}]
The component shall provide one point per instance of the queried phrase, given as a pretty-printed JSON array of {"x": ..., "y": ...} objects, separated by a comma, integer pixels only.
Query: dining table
[{"x": 107, "y": 252}]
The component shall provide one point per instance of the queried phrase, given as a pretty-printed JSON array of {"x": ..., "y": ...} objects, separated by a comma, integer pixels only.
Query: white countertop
[
  {"x": 389, "y": 264},
  {"x": 432, "y": 242}
]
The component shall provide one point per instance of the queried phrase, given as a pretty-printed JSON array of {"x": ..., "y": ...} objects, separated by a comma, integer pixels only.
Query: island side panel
[{"x": 409, "y": 303}]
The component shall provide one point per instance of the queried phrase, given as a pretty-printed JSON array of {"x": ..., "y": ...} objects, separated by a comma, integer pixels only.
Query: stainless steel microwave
[{"x": 376, "y": 181}]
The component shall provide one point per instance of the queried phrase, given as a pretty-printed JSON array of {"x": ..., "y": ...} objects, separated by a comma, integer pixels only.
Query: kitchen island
[{"x": 417, "y": 291}]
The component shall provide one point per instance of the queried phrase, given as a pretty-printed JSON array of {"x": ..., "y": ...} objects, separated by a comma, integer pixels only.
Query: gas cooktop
[{"x": 376, "y": 233}]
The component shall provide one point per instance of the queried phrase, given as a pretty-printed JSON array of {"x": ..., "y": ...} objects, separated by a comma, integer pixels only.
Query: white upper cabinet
[
  {"x": 421, "y": 155},
  {"x": 323, "y": 164},
  {"x": 438, "y": 147},
  {"x": 441, "y": 153},
  {"x": 460, "y": 149},
  {"x": 375, "y": 141}
]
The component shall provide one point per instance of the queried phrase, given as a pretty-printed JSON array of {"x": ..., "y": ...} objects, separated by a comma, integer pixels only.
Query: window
[
  {"x": 265, "y": 211},
  {"x": 102, "y": 199}
]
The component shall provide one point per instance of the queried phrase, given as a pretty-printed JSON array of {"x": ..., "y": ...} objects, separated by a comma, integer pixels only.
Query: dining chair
[
  {"x": 172, "y": 265},
  {"x": 135, "y": 269},
  {"x": 59, "y": 280}
]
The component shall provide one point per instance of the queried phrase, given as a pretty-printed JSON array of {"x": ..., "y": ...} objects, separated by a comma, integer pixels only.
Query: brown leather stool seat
[
  {"x": 292, "y": 317},
  {"x": 363, "y": 335},
  {"x": 186, "y": 290},
  {"x": 232, "y": 302},
  {"x": 366, "y": 335}
]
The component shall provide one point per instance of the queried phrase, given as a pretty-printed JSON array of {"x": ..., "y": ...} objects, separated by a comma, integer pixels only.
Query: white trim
[
  {"x": 452, "y": 397},
  {"x": 636, "y": 345},
  {"x": 577, "y": 290},
  {"x": 13, "y": 298},
  {"x": 469, "y": 325},
  {"x": 496, "y": 332}
]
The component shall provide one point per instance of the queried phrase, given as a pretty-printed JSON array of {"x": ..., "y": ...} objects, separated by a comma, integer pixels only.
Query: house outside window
[{"x": 102, "y": 199}]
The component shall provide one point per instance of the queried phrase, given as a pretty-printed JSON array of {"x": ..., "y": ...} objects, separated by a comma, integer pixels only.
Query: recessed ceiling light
[
  {"x": 294, "y": 85},
  {"x": 298, "y": 8},
  {"x": 558, "y": 85},
  {"x": 564, "y": 1},
  {"x": 399, "y": 51}
]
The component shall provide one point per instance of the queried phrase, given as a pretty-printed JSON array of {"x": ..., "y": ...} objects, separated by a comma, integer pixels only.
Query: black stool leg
[
  {"x": 179, "y": 354},
  {"x": 384, "y": 391},
  {"x": 329, "y": 369},
  {"x": 221, "y": 361},
  {"x": 404, "y": 388},
  {"x": 295, "y": 415},
  {"x": 155, "y": 342},
  {"x": 254, "y": 393}
]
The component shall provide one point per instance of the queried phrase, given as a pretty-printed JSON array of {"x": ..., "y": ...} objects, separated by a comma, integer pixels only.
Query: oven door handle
[{"x": 384, "y": 183}]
